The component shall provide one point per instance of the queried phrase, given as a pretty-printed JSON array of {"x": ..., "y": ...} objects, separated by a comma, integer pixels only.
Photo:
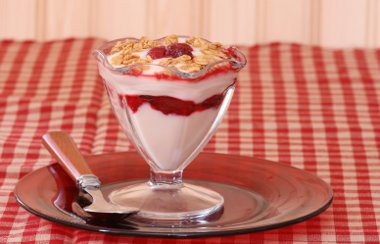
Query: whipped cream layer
[{"x": 184, "y": 90}]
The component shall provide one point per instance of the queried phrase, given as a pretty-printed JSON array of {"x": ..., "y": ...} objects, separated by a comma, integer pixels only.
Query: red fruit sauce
[
  {"x": 178, "y": 49},
  {"x": 170, "y": 105},
  {"x": 174, "y": 50},
  {"x": 158, "y": 52}
]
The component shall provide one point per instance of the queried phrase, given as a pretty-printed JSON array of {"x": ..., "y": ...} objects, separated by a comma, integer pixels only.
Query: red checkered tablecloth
[{"x": 314, "y": 108}]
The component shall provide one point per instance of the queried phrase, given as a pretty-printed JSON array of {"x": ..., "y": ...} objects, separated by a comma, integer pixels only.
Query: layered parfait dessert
[
  {"x": 169, "y": 96},
  {"x": 167, "y": 93}
]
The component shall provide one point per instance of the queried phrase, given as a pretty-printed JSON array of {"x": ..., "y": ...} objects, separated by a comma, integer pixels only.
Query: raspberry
[
  {"x": 178, "y": 49},
  {"x": 158, "y": 52},
  {"x": 174, "y": 50}
]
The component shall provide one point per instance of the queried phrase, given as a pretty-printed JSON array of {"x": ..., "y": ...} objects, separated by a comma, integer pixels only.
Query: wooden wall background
[{"x": 333, "y": 23}]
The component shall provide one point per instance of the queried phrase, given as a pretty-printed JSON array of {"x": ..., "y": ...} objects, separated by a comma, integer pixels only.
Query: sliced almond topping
[
  {"x": 183, "y": 58},
  {"x": 117, "y": 60},
  {"x": 191, "y": 67},
  {"x": 211, "y": 52},
  {"x": 206, "y": 59},
  {"x": 137, "y": 47},
  {"x": 215, "y": 45},
  {"x": 171, "y": 39},
  {"x": 166, "y": 61}
]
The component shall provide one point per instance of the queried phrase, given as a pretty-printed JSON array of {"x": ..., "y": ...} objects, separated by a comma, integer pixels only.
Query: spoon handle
[{"x": 63, "y": 148}]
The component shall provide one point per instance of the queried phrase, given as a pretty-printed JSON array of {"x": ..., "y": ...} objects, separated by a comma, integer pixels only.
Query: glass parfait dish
[{"x": 169, "y": 114}]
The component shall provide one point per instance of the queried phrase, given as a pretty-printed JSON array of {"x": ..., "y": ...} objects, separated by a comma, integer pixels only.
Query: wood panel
[
  {"x": 67, "y": 18},
  {"x": 180, "y": 16},
  {"x": 375, "y": 23},
  {"x": 17, "y": 19},
  {"x": 222, "y": 18},
  {"x": 333, "y": 23},
  {"x": 343, "y": 23},
  {"x": 289, "y": 21},
  {"x": 112, "y": 19}
]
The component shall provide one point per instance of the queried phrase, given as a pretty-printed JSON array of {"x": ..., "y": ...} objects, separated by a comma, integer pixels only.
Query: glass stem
[{"x": 165, "y": 179}]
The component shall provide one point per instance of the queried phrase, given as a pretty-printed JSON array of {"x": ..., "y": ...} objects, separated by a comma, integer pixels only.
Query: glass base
[{"x": 178, "y": 202}]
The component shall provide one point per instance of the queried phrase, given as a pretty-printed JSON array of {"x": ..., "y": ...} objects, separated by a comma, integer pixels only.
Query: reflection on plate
[{"x": 259, "y": 194}]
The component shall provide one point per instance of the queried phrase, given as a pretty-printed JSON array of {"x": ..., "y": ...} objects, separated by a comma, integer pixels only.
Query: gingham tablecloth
[{"x": 316, "y": 109}]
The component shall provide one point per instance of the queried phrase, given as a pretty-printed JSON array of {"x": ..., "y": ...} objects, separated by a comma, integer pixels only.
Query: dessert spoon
[{"x": 63, "y": 148}]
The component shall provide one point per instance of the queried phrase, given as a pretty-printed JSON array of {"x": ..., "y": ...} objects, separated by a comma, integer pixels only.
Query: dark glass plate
[{"x": 259, "y": 195}]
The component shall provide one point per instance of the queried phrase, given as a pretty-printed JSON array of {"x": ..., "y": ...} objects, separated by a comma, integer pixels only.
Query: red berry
[
  {"x": 178, "y": 49},
  {"x": 158, "y": 52}
]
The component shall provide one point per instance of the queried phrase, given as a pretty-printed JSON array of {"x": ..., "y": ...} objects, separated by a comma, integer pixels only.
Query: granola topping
[{"x": 190, "y": 54}]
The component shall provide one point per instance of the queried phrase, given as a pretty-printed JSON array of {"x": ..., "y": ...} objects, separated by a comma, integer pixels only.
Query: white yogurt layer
[
  {"x": 170, "y": 139},
  {"x": 166, "y": 140}
]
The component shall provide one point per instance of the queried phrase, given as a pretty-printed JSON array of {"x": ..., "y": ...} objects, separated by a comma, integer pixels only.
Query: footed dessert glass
[{"x": 169, "y": 115}]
